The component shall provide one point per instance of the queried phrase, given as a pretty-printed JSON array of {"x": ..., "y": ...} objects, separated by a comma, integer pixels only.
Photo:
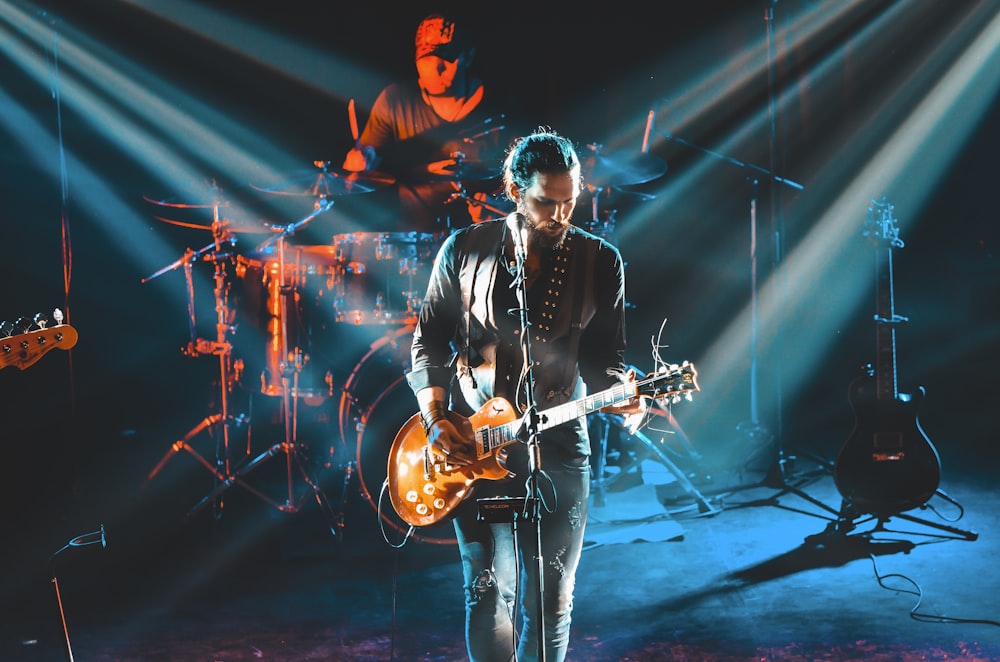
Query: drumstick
[
  {"x": 649, "y": 126},
  {"x": 353, "y": 118}
]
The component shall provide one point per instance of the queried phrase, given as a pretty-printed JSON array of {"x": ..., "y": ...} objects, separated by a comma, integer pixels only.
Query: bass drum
[{"x": 375, "y": 403}]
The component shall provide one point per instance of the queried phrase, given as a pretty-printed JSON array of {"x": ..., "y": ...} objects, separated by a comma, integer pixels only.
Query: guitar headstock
[
  {"x": 21, "y": 346},
  {"x": 673, "y": 382},
  {"x": 881, "y": 225}
]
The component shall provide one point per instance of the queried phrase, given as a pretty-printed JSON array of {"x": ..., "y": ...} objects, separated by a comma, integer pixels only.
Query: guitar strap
[{"x": 576, "y": 321}]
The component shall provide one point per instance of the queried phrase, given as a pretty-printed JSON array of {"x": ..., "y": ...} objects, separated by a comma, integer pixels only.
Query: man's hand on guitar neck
[{"x": 633, "y": 410}]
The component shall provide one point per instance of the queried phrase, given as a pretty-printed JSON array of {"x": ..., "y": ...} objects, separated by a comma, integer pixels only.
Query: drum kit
[{"x": 308, "y": 313}]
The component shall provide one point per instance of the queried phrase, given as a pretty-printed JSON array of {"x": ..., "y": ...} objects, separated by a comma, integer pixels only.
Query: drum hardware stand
[
  {"x": 220, "y": 423},
  {"x": 289, "y": 447},
  {"x": 602, "y": 228}
]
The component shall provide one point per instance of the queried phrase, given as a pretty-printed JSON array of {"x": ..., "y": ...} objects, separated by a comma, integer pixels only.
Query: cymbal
[
  {"x": 329, "y": 181},
  {"x": 226, "y": 224},
  {"x": 459, "y": 171},
  {"x": 622, "y": 170},
  {"x": 186, "y": 205}
]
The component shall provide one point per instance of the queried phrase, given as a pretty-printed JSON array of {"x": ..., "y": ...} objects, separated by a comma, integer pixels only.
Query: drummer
[{"x": 438, "y": 135}]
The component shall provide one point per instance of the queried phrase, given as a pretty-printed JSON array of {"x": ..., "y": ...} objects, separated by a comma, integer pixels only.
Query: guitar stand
[{"x": 850, "y": 517}]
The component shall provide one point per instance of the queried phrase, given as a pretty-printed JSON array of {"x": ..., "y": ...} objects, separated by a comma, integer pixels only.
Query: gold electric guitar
[
  {"x": 22, "y": 348},
  {"x": 425, "y": 491}
]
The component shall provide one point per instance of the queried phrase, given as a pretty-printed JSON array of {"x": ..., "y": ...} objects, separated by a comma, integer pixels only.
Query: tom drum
[{"x": 383, "y": 275}]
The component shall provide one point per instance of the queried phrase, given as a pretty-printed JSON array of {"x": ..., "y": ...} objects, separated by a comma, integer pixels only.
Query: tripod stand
[
  {"x": 226, "y": 471},
  {"x": 289, "y": 448},
  {"x": 754, "y": 430},
  {"x": 221, "y": 423}
]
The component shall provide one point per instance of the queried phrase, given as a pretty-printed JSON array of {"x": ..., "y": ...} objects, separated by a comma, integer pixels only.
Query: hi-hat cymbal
[
  {"x": 622, "y": 169},
  {"x": 327, "y": 181},
  {"x": 457, "y": 171}
]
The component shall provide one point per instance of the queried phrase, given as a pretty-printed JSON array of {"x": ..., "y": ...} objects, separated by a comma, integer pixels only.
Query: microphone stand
[
  {"x": 532, "y": 506},
  {"x": 755, "y": 429}
]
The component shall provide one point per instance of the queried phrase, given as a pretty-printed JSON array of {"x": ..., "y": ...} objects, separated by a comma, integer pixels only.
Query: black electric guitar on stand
[{"x": 887, "y": 465}]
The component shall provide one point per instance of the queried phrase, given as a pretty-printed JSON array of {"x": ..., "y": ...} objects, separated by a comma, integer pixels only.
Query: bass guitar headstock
[{"x": 24, "y": 341}]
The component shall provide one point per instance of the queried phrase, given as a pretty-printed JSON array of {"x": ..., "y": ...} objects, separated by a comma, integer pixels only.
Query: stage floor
[{"x": 758, "y": 575}]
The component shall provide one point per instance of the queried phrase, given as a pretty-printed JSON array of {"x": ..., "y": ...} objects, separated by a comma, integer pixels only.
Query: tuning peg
[
  {"x": 6, "y": 328},
  {"x": 22, "y": 324},
  {"x": 57, "y": 315},
  {"x": 40, "y": 320}
]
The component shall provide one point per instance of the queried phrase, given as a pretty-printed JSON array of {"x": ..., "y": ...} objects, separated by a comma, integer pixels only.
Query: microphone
[{"x": 516, "y": 223}]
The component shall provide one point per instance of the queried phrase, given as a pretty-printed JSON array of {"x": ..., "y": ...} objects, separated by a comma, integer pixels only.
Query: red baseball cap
[{"x": 439, "y": 35}]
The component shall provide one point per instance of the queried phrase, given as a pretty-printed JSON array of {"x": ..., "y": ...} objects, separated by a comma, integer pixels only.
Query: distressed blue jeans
[{"x": 499, "y": 563}]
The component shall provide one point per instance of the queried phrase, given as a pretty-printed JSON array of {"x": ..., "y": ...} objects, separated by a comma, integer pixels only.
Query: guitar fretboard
[{"x": 489, "y": 439}]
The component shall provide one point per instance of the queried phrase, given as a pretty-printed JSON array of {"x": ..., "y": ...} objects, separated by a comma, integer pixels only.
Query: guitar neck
[
  {"x": 588, "y": 405},
  {"x": 882, "y": 228},
  {"x": 885, "y": 324},
  {"x": 489, "y": 439}
]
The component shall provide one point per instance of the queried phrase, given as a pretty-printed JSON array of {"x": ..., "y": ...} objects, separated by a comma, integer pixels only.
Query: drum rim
[
  {"x": 349, "y": 404},
  {"x": 403, "y": 236}
]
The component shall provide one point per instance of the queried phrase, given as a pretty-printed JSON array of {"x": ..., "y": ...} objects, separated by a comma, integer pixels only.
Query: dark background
[{"x": 82, "y": 429}]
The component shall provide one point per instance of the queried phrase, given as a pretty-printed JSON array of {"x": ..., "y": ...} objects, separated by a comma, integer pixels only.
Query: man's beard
[{"x": 540, "y": 239}]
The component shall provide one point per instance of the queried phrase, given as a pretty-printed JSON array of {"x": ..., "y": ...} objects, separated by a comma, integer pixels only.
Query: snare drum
[{"x": 383, "y": 275}]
